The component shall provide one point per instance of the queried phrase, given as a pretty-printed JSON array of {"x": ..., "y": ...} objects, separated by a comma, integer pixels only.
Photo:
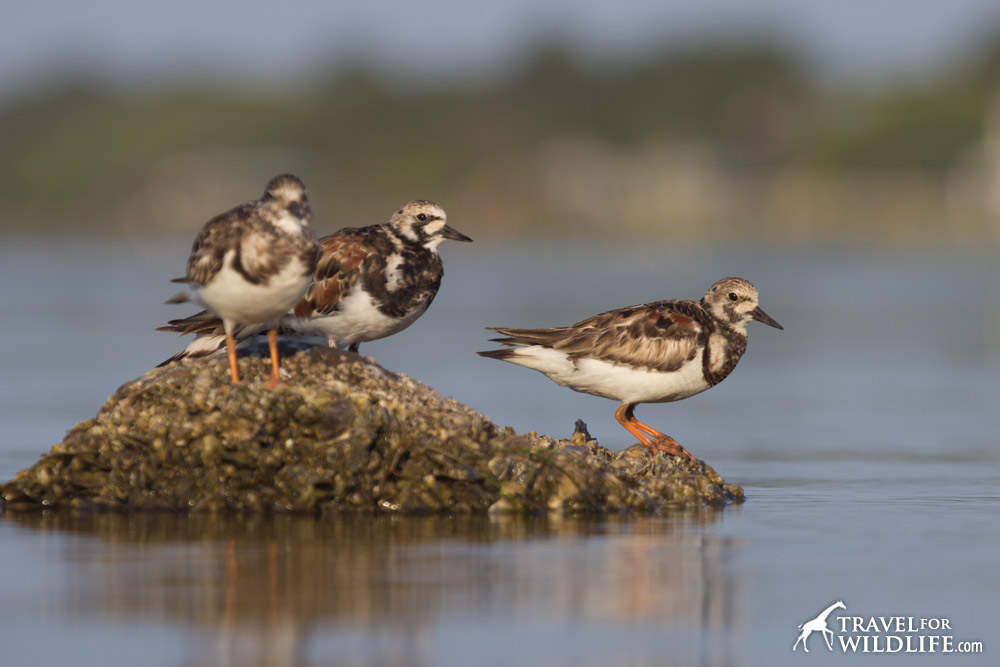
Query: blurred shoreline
[{"x": 723, "y": 142}]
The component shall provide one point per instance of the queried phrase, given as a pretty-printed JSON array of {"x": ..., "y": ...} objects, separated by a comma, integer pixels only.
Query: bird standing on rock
[
  {"x": 650, "y": 353},
  {"x": 370, "y": 282},
  {"x": 251, "y": 264}
]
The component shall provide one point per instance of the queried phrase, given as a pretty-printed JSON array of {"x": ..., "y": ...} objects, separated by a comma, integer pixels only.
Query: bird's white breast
[{"x": 230, "y": 296}]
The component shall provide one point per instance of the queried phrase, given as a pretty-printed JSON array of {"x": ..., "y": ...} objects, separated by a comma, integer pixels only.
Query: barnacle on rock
[{"x": 343, "y": 435}]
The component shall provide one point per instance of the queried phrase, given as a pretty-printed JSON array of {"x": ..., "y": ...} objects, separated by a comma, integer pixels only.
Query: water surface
[{"x": 865, "y": 435}]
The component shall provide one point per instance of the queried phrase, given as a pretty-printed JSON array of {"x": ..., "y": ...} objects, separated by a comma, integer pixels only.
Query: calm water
[{"x": 866, "y": 435}]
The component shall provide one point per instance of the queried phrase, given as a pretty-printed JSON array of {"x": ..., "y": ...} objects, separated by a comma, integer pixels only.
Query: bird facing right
[
  {"x": 651, "y": 353},
  {"x": 370, "y": 282}
]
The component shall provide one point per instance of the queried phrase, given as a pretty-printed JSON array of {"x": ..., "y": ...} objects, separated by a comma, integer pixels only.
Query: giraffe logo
[{"x": 818, "y": 624}]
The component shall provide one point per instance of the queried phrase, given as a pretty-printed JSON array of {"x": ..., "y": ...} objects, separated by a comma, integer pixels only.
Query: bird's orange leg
[
  {"x": 648, "y": 436},
  {"x": 274, "y": 379},
  {"x": 231, "y": 352},
  {"x": 624, "y": 416}
]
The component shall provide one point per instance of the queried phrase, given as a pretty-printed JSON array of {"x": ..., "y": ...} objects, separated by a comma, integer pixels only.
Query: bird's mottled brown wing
[
  {"x": 339, "y": 268},
  {"x": 219, "y": 235},
  {"x": 202, "y": 322},
  {"x": 660, "y": 336}
]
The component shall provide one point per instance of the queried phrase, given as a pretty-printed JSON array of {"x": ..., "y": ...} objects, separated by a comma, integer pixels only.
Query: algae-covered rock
[{"x": 342, "y": 435}]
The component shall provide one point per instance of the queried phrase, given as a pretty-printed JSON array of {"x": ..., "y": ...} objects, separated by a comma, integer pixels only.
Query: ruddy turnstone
[
  {"x": 650, "y": 353},
  {"x": 370, "y": 282},
  {"x": 252, "y": 263}
]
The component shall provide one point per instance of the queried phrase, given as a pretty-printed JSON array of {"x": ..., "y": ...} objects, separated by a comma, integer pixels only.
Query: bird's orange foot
[
  {"x": 275, "y": 381},
  {"x": 668, "y": 445}
]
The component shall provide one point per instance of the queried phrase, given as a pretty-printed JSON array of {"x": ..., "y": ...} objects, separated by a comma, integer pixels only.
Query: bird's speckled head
[
  {"x": 424, "y": 222},
  {"x": 287, "y": 194},
  {"x": 734, "y": 301},
  {"x": 285, "y": 187}
]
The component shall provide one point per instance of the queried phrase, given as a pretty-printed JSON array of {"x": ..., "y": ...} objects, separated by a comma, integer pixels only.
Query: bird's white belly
[
  {"x": 356, "y": 321},
  {"x": 615, "y": 381},
  {"x": 232, "y": 298}
]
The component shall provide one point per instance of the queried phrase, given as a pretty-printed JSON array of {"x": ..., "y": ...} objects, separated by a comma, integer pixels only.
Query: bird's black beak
[
  {"x": 761, "y": 316},
  {"x": 449, "y": 232}
]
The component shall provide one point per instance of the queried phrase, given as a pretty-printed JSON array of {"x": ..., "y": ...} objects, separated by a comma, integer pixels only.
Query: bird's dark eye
[
  {"x": 421, "y": 217},
  {"x": 732, "y": 296}
]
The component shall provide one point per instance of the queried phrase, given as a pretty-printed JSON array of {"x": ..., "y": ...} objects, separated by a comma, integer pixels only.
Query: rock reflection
[{"x": 292, "y": 590}]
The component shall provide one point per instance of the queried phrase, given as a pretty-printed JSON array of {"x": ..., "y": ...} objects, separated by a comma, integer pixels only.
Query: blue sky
[{"x": 258, "y": 40}]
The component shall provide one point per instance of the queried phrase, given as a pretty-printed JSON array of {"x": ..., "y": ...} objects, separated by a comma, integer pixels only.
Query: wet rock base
[{"x": 343, "y": 435}]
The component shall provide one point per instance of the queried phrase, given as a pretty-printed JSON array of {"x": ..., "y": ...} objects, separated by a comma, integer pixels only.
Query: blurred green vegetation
[{"x": 83, "y": 153}]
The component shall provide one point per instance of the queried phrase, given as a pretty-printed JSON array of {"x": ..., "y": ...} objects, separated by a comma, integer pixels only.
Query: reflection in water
[{"x": 292, "y": 590}]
